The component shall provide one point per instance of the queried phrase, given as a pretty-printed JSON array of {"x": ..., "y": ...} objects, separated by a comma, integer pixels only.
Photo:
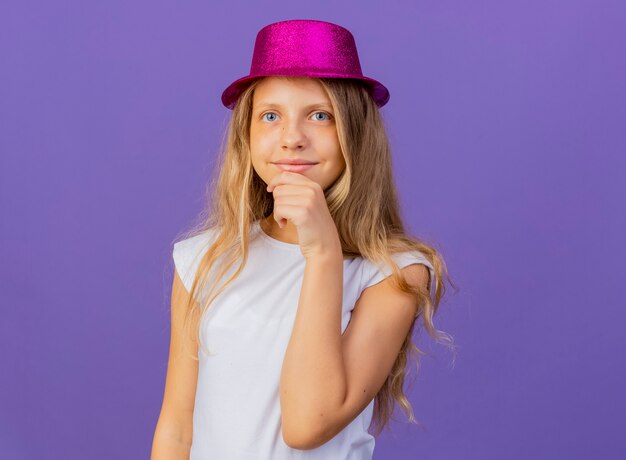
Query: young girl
[{"x": 294, "y": 303}]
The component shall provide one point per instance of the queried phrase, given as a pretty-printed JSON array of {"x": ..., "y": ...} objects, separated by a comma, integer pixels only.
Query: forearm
[
  {"x": 313, "y": 382},
  {"x": 168, "y": 446},
  {"x": 169, "y": 449}
]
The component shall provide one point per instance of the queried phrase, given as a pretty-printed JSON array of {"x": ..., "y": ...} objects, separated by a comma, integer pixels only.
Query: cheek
[
  {"x": 330, "y": 145},
  {"x": 262, "y": 138}
]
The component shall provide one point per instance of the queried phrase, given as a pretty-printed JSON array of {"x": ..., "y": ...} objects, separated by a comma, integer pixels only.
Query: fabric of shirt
[{"x": 247, "y": 329}]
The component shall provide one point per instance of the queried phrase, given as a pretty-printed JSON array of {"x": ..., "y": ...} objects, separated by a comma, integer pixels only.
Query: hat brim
[{"x": 379, "y": 93}]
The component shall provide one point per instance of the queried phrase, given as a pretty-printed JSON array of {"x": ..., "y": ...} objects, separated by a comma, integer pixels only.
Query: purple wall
[{"x": 507, "y": 121}]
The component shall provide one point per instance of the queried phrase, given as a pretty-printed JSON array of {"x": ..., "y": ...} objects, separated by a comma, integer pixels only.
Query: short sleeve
[
  {"x": 187, "y": 255},
  {"x": 375, "y": 273}
]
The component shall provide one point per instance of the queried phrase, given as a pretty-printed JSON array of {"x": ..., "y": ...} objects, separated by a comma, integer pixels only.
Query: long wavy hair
[{"x": 366, "y": 183}]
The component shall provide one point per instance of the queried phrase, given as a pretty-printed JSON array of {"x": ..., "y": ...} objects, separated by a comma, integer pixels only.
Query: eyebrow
[{"x": 278, "y": 106}]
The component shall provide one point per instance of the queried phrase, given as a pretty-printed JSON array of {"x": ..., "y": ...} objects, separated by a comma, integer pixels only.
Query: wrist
[{"x": 326, "y": 253}]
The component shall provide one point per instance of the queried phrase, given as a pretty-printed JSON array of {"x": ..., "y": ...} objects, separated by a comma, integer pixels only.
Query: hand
[{"x": 301, "y": 200}]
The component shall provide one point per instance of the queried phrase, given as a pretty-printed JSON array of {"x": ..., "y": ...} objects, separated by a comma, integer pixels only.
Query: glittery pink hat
[{"x": 306, "y": 48}]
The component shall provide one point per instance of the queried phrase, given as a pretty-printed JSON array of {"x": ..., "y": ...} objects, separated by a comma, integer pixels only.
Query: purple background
[{"x": 507, "y": 122}]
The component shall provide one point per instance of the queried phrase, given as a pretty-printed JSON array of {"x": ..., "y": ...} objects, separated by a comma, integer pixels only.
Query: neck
[{"x": 287, "y": 234}]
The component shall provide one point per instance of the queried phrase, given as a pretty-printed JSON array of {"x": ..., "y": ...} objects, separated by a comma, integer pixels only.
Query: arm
[
  {"x": 312, "y": 381},
  {"x": 173, "y": 433},
  {"x": 165, "y": 447},
  {"x": 328, "y": 379}
]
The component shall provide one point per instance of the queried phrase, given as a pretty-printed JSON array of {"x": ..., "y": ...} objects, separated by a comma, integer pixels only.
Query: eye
[
  {"x": 273, "y": 114},
  {"x": 323, "y": 113},
  {"x": 268, "y": 113}
]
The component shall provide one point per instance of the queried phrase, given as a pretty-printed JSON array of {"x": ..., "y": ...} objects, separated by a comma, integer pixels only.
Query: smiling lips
[
  {"x": 294, "y": 164},
  {"x": 294, "y": 167}
]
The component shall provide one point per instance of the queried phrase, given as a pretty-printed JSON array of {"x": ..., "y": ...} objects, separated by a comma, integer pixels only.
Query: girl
[{"x": 307, "y": 335}]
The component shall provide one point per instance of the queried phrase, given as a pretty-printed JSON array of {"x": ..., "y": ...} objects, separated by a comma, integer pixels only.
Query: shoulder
[
  {"x": 373, "y": 272},
  {"x": 193, "y": 246},
  {"x": 188, "y": 252},
  {"x": 190, "y": 243}
]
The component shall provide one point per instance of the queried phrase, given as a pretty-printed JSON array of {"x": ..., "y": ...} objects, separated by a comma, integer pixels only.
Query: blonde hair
[{"x": 365, "y": 184}]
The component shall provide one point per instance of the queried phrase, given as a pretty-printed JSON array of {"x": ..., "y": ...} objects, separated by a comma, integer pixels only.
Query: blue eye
[
  {"x": 323, "y": 113},
  {"x": 267, "y": 113},
  {"x": 328, "y": 117}
]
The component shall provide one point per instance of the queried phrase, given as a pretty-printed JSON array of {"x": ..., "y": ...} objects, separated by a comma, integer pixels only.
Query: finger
[
  {"x": 287, "y": 177},
  {"x": 284, "y": 213},
  {"x": 287, "y": 190},
  {"x": 289, "y": 200}
]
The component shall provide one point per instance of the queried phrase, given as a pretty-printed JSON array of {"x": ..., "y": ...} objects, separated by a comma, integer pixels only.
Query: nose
[{"x": 293, "y": 136}]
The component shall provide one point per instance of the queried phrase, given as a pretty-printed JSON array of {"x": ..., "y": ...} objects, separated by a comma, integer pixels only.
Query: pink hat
[{"x": 306, "y": 48}]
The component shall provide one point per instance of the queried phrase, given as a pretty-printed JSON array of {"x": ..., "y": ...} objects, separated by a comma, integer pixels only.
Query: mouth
[
  {"x": 295, "y": 162},
  {"x": 299, "y": 167}
]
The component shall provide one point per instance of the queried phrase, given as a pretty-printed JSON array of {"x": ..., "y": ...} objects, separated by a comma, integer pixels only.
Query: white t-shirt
[{"x": 247, "y": 329}]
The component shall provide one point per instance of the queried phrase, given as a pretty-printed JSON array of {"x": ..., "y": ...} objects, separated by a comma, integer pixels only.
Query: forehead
[{"x": 283, "y": 90}]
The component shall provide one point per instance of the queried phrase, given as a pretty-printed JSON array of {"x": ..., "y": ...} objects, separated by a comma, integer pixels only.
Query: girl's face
[{"x": 294, "y": 120}]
